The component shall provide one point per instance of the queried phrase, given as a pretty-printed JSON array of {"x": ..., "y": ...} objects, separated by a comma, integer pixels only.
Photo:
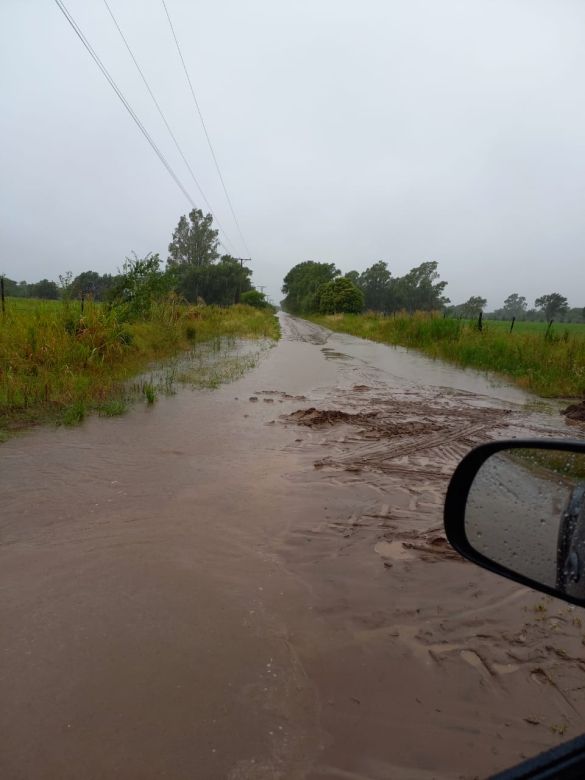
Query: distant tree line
[
  {"x": 552, "y": 306},
  {"x": 195, "y": 271},
  {"x": 319, "y": 287}
]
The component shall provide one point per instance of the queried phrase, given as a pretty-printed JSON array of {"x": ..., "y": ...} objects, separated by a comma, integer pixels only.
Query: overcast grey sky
[{"x": 402, "y": 130}]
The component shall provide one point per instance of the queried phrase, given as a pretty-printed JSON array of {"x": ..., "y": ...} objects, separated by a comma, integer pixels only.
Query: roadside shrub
[{"x": 340, "y": 295}]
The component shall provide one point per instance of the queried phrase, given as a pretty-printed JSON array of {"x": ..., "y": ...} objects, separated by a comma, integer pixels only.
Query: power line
[
  {"x": 163, "y": 117},
  {"x": 127, "y": 106},
  {"x": 205, "y": 131}
]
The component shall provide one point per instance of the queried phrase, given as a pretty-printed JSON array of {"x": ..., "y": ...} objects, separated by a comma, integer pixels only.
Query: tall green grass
[
  {"x": 58, "y": 363},
  {"x": 549, "y": 364}
]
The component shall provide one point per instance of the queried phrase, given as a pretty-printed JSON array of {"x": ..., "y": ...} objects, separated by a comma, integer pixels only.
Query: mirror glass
[{"x": 526, "y": 512}]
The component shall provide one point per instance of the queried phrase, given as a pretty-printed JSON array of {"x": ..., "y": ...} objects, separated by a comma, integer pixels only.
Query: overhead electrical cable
[
  {"x": 205, "y": 130},
  {"x": 127, "y": 106},
  {"x": 164, "y": 119}
]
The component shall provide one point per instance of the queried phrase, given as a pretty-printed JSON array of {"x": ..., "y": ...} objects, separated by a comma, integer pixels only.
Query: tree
[
  {"x": 375, "y": 284},
  {"x": 514, "y": 306},
  {"x": 552, "y": 305},
  {"x": 194, "y": 242},
  {"x": 43, "y": 289},
  {"x": 470, "y": 309},
  {"x": 353, "y": 276},
  {"x": 92, "y": 283},
  {"x": 340, "y": 295},
  {"x": 301, "y": 284},
  {"x": 216, "y": 283},
  {"x": 65, "y": 281},
  {"x": 419, "y": 289},
  {"x": 13, "y": 289}
]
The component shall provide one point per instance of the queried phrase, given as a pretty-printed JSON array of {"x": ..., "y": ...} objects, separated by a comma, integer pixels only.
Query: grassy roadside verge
[
  {"x": 550, "y": 365},
  {"x": 57, "y": 364}
]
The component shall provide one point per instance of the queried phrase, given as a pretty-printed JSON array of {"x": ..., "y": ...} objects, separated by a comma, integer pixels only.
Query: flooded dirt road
[{"x": 253, "y": 583}]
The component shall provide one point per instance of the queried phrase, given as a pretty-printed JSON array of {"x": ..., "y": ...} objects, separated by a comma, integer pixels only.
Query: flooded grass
[
  {"x": 59, "y": 364},
  {"x": 112, "y": 408},
  {"x": 206, "y": 366},
  {"x": 548, "y": 363}
]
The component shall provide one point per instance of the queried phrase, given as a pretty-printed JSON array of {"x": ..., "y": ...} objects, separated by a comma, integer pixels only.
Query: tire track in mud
[
  {"x": 441, "y": 633},
  {"x": 411, "y": 534},
  {"x": 410, "y": 439}
]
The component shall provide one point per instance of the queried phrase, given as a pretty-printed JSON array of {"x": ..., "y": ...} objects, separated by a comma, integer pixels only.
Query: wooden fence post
[{"x": 512, "y": 325}]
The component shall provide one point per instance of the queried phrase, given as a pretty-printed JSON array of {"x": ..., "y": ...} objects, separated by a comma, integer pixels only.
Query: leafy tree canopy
[
  {"x": 302, "y": 283},
  {"x": 420, "y": 290},
  {"x": 471, "y": 308},
  {"x": 552, "y": 305},
  {"x": 353, "y": 276},
  {"x": 43, "y": 289},
  {"x": 92, "y": 283},
  {"x": 254, "y": 298},
  {"x": 220, "y": 283},
  {"x": 340, "y": 295},
  {"x": 194, "y": 241},
  {"x": 514, "y": 306},
  {"x": 375, "y": 283}
]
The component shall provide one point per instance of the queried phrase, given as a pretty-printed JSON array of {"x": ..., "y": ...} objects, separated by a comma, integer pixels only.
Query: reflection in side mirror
[{"x": 518, "y": 508}]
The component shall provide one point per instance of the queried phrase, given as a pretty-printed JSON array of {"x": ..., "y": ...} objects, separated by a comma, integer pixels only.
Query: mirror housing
[{"x": 518, "y": 514}]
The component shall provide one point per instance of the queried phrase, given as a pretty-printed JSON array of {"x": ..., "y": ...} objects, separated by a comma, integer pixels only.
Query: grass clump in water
[
  {"x": 112, "y": 408},
  {"x": 74, "y": 414},
  {"x": 149, "y": 393}
]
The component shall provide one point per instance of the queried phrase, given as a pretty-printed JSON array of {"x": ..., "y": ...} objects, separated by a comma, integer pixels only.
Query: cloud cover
[{"x": 403, "y": 131}]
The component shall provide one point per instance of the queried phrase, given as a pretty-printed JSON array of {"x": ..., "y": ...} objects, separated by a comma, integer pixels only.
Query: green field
[
  {"x": 558, "y": 329},
  {"x": 59, "y": 364},
  {"x": 550, "y": 365}
]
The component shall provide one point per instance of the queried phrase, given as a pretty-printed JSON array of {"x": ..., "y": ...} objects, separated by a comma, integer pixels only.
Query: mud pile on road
[
  {"x": 314, "y": 417},
  {"x": 575, "y": 412},
  {"x": 412, "y": 437}
]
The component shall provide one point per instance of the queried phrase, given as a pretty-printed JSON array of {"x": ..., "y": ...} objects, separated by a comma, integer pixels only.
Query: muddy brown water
[{"x": 219, "y": 587}]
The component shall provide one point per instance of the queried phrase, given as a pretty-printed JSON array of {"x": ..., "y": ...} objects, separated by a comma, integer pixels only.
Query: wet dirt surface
[{"x": 253, "y": 583}]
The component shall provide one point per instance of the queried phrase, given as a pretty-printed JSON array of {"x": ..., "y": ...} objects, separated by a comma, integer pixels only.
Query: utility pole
[{"x": 239, "y": 288}]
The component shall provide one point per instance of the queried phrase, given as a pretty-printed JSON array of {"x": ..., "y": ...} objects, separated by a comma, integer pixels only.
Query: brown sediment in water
[
  {"x": 575, "y": 412},
  {"x": 314, "y": 417},
  {"x": 185, "y": 594}
]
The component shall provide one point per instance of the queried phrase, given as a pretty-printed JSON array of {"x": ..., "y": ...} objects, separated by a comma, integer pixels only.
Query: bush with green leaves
[
  {"x": 254, "y": 298},
  {"x": 339, "y": 296},
  {"x": 140, "y": 286}
]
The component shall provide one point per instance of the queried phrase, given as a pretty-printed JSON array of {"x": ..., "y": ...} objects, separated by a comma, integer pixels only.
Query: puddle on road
[
  {"x": 332, "y": 354},
  {"x": 395, "y": 551},
  {"x": 404, "y": 366}
]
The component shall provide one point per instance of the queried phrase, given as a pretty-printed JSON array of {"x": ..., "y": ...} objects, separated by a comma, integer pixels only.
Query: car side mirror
[{"x": 517, "y": 508}]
